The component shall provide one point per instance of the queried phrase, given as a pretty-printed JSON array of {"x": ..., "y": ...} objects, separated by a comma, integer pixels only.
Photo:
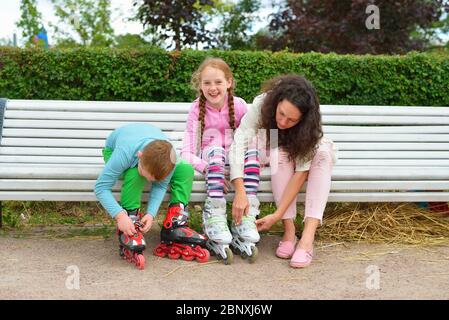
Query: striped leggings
[{"x": 215, "y": 176}]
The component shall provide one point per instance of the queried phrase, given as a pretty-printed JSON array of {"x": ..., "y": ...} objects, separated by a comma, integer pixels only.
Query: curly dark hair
[{"x": 301, "y": 140}]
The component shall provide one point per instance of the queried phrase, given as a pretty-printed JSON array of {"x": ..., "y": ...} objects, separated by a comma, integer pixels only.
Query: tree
[
  {"x": 30, "y": 20},
  {"x": 441, "y": 27},
  {"x": 132, "y": 41},
  {"x": 89, "y": 19},
  {"x": 341, "y": 25},
  {"x": 182, "y": 21},
  {"x": 237, "y": 20}
]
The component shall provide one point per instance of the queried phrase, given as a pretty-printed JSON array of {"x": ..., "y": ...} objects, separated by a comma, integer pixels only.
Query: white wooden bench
[{"x": 51, "y": 150}]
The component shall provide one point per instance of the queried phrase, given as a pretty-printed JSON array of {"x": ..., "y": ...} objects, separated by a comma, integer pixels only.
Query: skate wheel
[
  {"x": 128, "y": 256},
  {"x": 174, "y": 255},
  {"x": 188, "y": 254},
  {"x": 205, "y": 257},
  {"x": 254, "y": 255},
  {"x": 235, "y": 250},
  {"x": 229, "y": 257},
  {"x": 140, "y": 261},
  {"x": 188, "y": 257},
  {"x": 159, "y": 252}
]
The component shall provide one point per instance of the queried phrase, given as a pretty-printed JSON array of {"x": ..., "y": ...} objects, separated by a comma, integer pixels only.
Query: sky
[{"x": 10, "y": 14}]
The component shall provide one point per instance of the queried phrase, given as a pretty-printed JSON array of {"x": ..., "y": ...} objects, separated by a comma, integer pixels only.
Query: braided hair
[{"x": 196, "y": 83}]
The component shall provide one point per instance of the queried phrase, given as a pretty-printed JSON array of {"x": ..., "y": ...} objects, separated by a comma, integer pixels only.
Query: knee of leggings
[
  {"x": 216, "y": 150},
  {"x": 252, "y": 152}
]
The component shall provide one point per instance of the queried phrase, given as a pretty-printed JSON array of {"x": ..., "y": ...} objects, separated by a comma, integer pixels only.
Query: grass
[
  {"x": 405, "y": 223},
  {"x": 55, "y": 219}
]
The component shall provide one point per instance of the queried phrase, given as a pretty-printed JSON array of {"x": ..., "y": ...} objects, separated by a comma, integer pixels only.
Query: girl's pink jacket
[{"x": 217, "y": 131}]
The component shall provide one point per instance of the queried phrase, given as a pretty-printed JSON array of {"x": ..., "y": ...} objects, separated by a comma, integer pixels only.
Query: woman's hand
[{"x": 265, "y": 223}]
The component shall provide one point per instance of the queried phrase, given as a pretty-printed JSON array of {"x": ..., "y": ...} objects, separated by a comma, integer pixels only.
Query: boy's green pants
[{"x": 133, "y": 184}]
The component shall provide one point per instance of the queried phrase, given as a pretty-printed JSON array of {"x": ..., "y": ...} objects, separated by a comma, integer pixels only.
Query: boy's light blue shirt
[{"x": 125, "y": 142}]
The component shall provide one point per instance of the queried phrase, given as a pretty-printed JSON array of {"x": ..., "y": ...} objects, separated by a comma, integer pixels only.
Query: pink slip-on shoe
[
  {"x": 301, "y": 258},
  {"x": 285, "y": 249}
]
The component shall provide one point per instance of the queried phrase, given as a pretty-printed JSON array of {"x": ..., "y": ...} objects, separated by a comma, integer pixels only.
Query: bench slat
[
  {"x": 182, "y": 117},
  {"x": 125, "y": 106},
  {"x": 392, "y": 154},
  {"x": 339, "y": 173},
  {"x": 392, "y": 120},
  {"x": 64, "y": 124},
  {"x": 342, "y": 154},
  {"x": 177, "y": 126},
  {"x": 81, "y": 134},
  {"x": 328, "y": 129},
  {"x": 32, "y": 151},
  {"x": 393, "y": 146},
  {"x": 263, "y": 197},
  {"x": 178, "y": 136},
  {"x": 63, "y": 158},
  {"x": 99, "y": 143},
  {"x": 395, "y": 162},
  {"x": 155, "y": 117},
  {"x": 98, "y": 106},
  {"x": 52, "y": 159},
  {"x": 200, "y": 186},
  {"x": 94, "y": 116}
]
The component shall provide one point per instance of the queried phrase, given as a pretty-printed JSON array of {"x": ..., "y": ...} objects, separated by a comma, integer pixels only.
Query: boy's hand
[
  {"x": 147, "y": 222},
  {"x": 125, "y": 224}
]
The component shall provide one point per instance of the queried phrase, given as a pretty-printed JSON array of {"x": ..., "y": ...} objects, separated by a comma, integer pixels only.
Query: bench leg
[{"x": 1, "y": 215}]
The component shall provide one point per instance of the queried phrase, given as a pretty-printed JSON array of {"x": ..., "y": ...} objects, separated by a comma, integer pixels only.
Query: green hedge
[{"x": 152, "y": 75}]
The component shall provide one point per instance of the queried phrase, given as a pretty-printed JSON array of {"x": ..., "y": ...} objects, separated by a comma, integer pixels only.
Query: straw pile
[{"x": 384, "y": 223}]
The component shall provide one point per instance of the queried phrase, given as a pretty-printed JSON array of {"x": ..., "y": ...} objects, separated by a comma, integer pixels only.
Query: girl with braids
[
  {"x": 212, "y": 119},
  {"x": 289, "y": 113}
]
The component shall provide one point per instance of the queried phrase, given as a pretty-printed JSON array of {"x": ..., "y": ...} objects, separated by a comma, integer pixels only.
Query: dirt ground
[{"x": 40, "y": 268}]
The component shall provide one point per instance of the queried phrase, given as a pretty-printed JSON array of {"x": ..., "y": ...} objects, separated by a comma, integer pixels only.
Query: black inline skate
[
  {"x": 132, "y": 247},
  {"x": 178, "y": 240}
]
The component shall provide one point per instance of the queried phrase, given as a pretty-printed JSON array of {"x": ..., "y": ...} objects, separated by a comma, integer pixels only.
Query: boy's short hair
[{"x": 158, "y": 159}]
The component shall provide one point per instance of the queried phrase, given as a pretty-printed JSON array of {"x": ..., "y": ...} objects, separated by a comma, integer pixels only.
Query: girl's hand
[
  {"x": 227, "y": 183},
  {"x": 240, "y": 207},
  {"x": 227, "y": 186}
]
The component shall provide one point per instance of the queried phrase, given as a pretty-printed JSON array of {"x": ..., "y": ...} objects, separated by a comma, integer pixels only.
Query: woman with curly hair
[{"x": 289, "y": 114}]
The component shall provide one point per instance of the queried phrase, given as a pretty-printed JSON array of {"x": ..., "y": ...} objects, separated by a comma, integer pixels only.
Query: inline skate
[
  {"x": 245, "y": 235},
  {"x": 132, "y": 247},
  {"x": 178, "y": 240},
  {"x": 216, "y": 229}
]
